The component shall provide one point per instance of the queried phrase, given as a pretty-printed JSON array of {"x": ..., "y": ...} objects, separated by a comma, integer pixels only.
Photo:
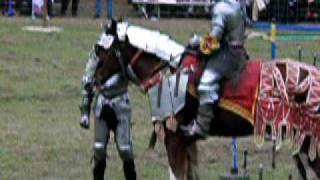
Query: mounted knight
[{"x": 226, "y": 57}]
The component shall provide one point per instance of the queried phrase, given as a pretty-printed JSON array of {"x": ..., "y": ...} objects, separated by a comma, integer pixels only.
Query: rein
[
  {"x": 135, "y": 57},
  {"x": 129, "y": 73},
  {"x": 120, "y": 61}
]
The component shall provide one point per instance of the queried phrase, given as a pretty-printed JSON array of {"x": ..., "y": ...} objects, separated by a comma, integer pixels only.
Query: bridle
[{"x": 126, "y": 66}]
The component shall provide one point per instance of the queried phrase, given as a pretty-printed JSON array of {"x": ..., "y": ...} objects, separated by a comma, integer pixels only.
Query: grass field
[{"x": 40, "y": 136}]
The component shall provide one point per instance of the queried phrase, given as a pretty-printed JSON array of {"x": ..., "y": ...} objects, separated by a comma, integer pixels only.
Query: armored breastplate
[
  {"x": 115, "y": 85},
  {"x": 235, "y": 28}
]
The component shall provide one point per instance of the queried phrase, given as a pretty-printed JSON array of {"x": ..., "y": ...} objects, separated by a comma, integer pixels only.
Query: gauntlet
[{"x": 85, "y": 108}]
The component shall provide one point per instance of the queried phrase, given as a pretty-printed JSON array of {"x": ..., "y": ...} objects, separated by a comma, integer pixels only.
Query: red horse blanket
[
  {"x": 288, "y": 101},
  {"x": 241, "y": 98},
  {"x": 238, "y": 97},
  {"x": 282, "y": 94}
]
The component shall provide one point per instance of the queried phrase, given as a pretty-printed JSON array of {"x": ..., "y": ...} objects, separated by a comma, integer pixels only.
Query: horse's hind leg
[
  {"x": 192, "y": 152},
  {"x": 308, "y": 170}
]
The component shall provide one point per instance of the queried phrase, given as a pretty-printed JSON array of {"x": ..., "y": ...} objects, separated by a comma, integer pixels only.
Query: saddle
[{"x": 239, "y": 98}]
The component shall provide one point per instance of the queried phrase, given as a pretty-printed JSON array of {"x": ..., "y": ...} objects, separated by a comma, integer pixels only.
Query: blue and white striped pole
[
  {"x": 234, "y": 169},
  {"x": 273, "y": 41}
]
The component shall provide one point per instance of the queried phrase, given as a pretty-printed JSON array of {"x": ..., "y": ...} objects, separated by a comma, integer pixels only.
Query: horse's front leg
[{"x": 177, "y": 155}]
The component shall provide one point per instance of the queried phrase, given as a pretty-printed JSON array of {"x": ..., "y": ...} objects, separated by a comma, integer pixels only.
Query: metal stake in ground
[
  {"x": 234, "y": 170},
  {"x": 245, "y": 162},
  {"x": 315, "y": 59},
  {"x": 300, "y": 53},
  {"x": 273, "y": 164}
]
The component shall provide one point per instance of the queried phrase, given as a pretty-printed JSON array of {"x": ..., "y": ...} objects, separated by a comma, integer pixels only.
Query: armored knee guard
[
  {"x": 125, "y": 152},
  {"x": 99, "y": 161},
  {"x": 209, "y": 87},
  {"x": 209, "y": 94}
]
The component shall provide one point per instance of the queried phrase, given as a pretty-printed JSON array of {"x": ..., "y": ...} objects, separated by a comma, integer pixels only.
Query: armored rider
[
  {"x": 111, "y": 103},
  {"x": 226, "y": 56}
]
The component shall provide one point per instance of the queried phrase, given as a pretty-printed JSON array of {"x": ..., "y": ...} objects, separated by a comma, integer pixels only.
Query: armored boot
[
  {"x": 98, "y": 169},
  {"x": 199, "y": 128},
  {"x": 129, "y": 169}
]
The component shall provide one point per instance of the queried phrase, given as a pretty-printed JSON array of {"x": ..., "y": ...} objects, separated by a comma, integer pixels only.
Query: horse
[{"x": 145, "y": 69}]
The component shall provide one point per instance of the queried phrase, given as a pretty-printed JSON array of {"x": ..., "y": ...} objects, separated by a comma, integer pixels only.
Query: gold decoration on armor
[{"x": 208, "y": 44}]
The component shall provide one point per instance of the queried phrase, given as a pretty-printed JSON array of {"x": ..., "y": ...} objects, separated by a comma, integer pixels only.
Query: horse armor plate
[{"x": 168, "y": 97}]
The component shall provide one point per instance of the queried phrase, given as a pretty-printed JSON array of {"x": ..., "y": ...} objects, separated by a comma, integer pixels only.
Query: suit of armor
[
  {"x": 112, "y": 111},
  {"x": 228, "y": 30}
]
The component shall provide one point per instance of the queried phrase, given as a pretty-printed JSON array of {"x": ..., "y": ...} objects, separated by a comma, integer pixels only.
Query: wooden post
[
  {"x": 261, "y": 171},
  {"x": 45, "y": 12}
]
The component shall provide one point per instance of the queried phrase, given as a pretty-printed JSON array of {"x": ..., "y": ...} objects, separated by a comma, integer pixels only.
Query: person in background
[
  {"x": 98, "y": 12},
  {"x": 64, "y": 7},
  {"x": 49, "y": 7}
]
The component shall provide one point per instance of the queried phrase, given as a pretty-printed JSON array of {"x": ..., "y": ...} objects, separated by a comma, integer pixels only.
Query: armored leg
[
  {"x": 208, "y": 95},
  {"x": 75, "y": 7},
  {"x": 100, "y": 143},
  {"x": 123, "y": 139},
  {"x": 129, "y": 169},
  {"x": 124, "y": 145}
]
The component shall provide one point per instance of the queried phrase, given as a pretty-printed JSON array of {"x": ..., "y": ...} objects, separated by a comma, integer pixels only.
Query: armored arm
[
  {"x": 219, "y": 19},
  {"x": 87, "y": 89},
  {"x": 211, "y": 41}
]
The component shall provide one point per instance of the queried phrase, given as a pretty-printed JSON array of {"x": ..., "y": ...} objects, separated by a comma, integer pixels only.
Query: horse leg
[
  {"x": 177, "y": 155},
  {"x": 192, "y": 153},
  {"x": 307, "y": 169}
]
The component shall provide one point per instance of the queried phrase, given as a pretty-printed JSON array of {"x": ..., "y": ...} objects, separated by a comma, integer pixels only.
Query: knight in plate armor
[
  {"x": 226, "y": 56},
  {"x": 111, "y": 105}
]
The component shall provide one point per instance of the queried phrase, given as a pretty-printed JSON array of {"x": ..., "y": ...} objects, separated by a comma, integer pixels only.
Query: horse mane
[{"x": 154, "y": 42}]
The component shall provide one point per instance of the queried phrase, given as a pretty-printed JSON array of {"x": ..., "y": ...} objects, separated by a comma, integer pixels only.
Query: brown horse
[{"x": 145, "y": 69}]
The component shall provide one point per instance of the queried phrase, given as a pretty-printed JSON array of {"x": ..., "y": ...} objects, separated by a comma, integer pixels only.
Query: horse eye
[
  {"x": 109, "y": 25},
  {"x": 96, "y": 48}
]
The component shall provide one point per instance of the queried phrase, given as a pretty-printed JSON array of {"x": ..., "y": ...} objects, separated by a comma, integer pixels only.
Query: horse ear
[
  {"x": 111, "y": 27},
  {"x": 113, "y": 21}
]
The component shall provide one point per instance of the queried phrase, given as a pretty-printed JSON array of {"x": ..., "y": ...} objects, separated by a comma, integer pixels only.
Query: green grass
[{"x": 40, "y": 76}]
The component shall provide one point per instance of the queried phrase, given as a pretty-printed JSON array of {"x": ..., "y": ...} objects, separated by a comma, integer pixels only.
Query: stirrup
[{"x": 193, "y": 130}]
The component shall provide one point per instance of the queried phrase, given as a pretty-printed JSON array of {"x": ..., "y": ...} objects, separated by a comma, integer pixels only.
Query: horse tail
[{"x": 152, "y": 140}]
